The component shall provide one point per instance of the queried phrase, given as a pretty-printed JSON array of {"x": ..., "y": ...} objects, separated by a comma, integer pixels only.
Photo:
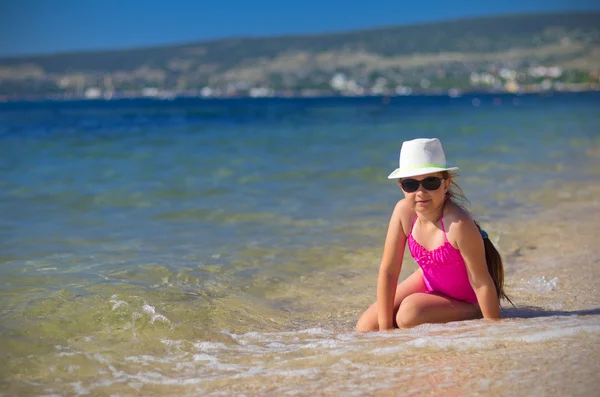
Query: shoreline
[
  {"x": 328, "y": 95},
  {"x": 558, "y": 244}
]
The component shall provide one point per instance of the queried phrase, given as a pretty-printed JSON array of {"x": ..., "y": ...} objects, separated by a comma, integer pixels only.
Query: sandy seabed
[{"x": 546, "y": 346}]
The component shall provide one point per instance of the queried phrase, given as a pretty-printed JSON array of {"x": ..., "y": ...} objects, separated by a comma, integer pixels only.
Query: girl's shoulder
[
  {"x": 458, "y": 219},
  {"x": 456, "y": 213},
  {"x": 405, "y": 215},
  {"x": 404, "y": 210}
]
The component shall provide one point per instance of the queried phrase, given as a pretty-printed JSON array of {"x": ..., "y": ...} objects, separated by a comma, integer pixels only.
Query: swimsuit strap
[
  {"x": 413, "y": 224},
  {"x": 441, "y": 223}
]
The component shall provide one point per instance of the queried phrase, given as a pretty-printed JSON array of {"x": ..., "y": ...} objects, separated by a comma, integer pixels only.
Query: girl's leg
[
  {"x": 421, "y": 308},
  {"x": 413, "y": 284}
]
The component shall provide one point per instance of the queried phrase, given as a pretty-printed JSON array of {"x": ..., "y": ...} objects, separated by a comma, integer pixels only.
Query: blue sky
[{"x": 50, "y": 26}]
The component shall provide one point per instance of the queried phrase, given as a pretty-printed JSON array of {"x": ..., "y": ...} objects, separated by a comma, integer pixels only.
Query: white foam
[
  {"x": 210, "y": 346},
  {"x": 276, "y": 345},
  {"x": 180, "y": 366},
  {"x": 452, "y": 343},
  {"x": 538, "y": 330},
  {"x": 117, "y": 303},
  {"x": 79, "y": 389},
  {"x": 155, "y": 317},
  {"x": 558, "y": 333},
  {"x": 169, "y": 342},
  {"x": 145, "y": 359},
  {"x": 205, "y": 357},
  {"x": 388, "y": 350},
  {"x": 308, "y": 372},
  {"x": 314, "y": 331},
  {"x": 305, "y": 354},
  {"x": 540, "y": 284},
  {"x": 102, "y": 359},
  {"x": 460, "y": 335},
  {"x": 322, "y": 344},
  {"x": 159, "y": 317},
  {"x": 103, "y": 383},
  {"x": 136, "y": 385},
  {"x": 67, "y": 354}
]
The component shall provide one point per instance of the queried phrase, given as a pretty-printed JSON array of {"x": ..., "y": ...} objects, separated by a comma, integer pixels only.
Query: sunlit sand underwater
[{"x": 219, "y": 248}]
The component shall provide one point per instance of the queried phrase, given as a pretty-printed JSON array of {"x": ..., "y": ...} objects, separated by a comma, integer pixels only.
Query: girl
[{"x": 461, "y": 275}]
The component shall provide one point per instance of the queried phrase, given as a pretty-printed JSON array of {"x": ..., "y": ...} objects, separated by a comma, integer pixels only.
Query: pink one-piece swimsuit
[{"x": 444, "y": 268}]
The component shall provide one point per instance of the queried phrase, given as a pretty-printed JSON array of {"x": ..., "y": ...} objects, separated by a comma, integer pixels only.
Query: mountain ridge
[
  {"x": 400, "y": 53},
  {"x": 179, "y": 45}
]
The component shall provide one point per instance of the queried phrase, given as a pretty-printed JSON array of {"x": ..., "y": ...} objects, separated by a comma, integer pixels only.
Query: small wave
[
  {"x": 453, "y": 336},
  {"x": 208, "y": 346},
  {"x": 301, "y": 355},
  {"x": 116, "y": 303},
  {"x": 538, "y": 284},
  {"x": 151, "y": 310}
]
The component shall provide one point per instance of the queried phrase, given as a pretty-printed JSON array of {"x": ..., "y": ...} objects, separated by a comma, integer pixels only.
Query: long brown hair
[{"x": 492, "y": 256}]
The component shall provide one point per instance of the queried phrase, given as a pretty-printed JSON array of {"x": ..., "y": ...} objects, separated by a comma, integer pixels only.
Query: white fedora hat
[{"x": 421, "y": 156}]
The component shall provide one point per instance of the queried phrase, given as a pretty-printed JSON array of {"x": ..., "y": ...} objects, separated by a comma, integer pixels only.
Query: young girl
[{"x": 461, "y": 275}]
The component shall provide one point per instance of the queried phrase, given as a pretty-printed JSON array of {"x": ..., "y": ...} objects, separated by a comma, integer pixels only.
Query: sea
[{"x": 215, "y": 247}]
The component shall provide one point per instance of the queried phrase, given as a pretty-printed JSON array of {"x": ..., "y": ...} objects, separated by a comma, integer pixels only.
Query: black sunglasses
[{"x": 429, "y": 183}]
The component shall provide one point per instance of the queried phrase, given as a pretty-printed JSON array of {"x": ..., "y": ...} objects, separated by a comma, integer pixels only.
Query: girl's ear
[{"x": 447, "y": 184}]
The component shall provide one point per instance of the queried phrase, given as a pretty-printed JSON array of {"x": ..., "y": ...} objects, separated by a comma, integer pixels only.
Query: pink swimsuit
[{"x": 444, "y": 268}]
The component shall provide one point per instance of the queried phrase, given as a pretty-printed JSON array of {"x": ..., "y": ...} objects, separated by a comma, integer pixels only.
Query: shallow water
[{"x": 212, "y": 248}]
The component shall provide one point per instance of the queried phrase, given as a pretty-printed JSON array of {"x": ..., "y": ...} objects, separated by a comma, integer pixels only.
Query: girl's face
[{"x": 425, "y": 192}]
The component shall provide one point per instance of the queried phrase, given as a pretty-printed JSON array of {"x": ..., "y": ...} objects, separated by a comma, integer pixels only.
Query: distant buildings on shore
[
  {"x": 531, "y": 80},
  {"x": 536, "y": 79}
]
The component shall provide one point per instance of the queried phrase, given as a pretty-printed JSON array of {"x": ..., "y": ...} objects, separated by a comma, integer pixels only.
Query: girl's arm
[
  {"x": 389, "y": 270},
  {"x": 472, "y": 249}
]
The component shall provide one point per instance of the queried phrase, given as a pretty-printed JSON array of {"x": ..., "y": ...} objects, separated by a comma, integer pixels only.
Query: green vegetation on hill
[{"x": 447, "y": 51}]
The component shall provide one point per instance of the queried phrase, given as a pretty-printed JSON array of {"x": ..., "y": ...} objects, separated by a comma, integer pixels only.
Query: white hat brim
[{"x": 403, "y": 173}]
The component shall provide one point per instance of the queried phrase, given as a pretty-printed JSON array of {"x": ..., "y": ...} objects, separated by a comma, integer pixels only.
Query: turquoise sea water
[{"x": 141, "y": 233}]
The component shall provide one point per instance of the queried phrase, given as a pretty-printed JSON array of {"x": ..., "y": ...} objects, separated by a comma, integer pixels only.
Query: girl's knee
[
  {"x": 364, "y": 325},
  {"x": 361, "y": 327},
  {"x": 410, "y": 313},
  {"x": 368, "y": 322}
]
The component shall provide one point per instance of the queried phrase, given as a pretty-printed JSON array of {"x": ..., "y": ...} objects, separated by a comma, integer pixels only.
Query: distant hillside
[{"x": 568, "y": 40}]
